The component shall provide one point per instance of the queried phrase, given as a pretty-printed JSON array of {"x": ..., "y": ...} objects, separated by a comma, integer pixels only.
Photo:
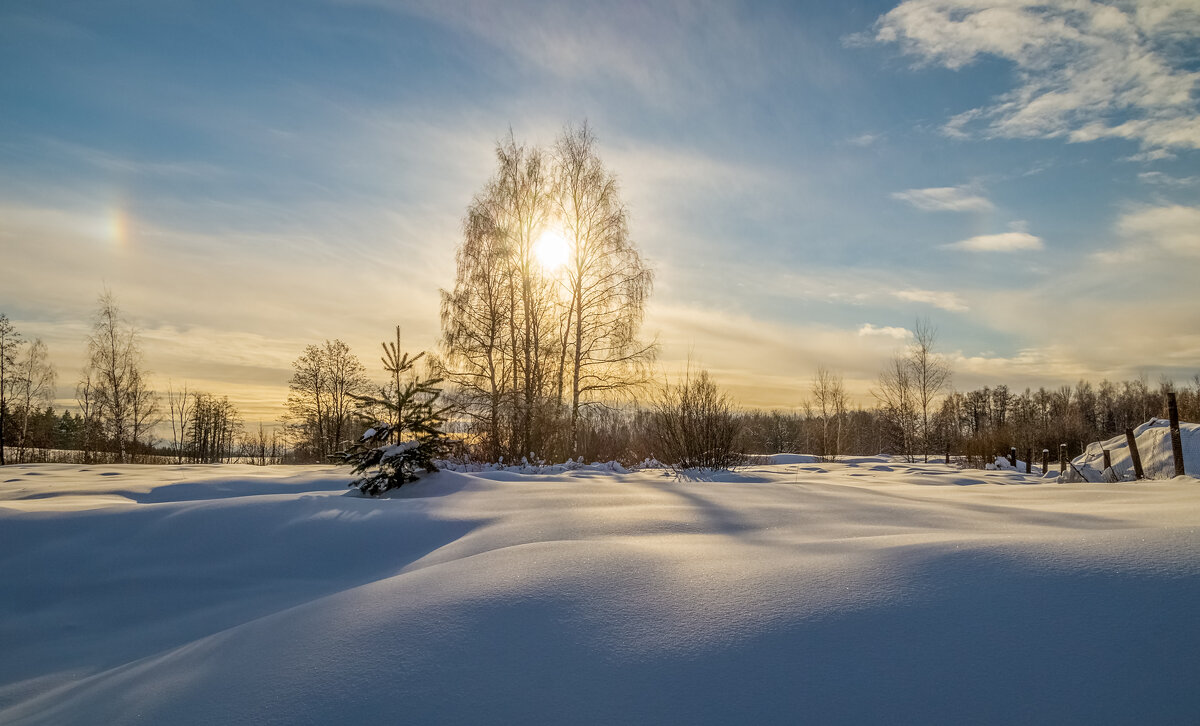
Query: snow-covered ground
[{"x": 867, "y": 591}]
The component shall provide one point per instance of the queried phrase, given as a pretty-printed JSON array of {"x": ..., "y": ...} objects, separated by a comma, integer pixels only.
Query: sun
[{"x": 552, "y": 250}]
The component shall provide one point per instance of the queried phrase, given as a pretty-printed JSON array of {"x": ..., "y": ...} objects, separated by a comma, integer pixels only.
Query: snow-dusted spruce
[{"x": 391, "y": 454}]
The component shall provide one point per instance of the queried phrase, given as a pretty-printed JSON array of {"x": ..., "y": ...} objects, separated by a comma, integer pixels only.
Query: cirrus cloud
[{"x": 944, "y": 199}]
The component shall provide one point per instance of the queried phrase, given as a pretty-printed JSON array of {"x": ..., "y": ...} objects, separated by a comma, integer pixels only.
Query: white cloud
[
  {"x": 937, "y": 298},
  {"x": 944, "y": 199},
  {"x": 1003, "y": 242},
  {"x": 1175, "y": 229},
  {"x": 1079, "y": 64},
  {"x": 886, "y": 331}
]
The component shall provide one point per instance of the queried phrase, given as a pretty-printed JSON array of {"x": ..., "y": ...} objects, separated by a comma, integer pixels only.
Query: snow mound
[{"x": 1154, "y": 447}]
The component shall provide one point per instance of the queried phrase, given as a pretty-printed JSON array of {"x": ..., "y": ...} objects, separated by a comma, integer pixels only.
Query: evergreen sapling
[{"x": 391, "y": 454}]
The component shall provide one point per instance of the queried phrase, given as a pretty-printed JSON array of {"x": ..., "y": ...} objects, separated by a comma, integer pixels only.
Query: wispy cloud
[
  {"x": 945, "y": 199},
  {"x": 124, "y": 165},
  {"x": 1003, "y": 242},
  {"x": 1085, "y": 70},
  {"x": 864, "y": 140},
  {"x": 672, "y": 54},
  {"x": 1158, "y": 178},
  {"x": 937, "y": 298}
]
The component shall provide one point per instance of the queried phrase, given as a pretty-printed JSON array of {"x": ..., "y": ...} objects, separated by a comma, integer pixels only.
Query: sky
[{"x": 807, "y": 179}]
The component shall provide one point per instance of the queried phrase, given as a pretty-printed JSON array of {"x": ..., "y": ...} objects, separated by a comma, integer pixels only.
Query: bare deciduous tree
[
  {"x": 123, "y": 403},
  {"x": 527, "y": 347},
  {"x": 829, "y": 397},
  {"x": 930, "y": 377},
  {"x": 499, "y": 332},
  {"x": 607, "y": 283},
  {"x": 180, "y": 410},
  {"x": 897, "y": 399},
  {"x": 85, "y": 396},
  {"x": 10, "y": 342},
  {"x": 321, "y": 402},
  {"x": 476, "y": 320},
  {"x": 34, "y": 388},
  {"x": 143, "y": 410}
]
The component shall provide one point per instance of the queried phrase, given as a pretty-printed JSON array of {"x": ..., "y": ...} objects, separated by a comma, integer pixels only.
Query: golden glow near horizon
[{"x": 552, "y": 250}]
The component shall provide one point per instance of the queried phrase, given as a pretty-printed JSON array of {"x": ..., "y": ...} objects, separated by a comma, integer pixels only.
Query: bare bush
[{"x": 695, "y": 426}]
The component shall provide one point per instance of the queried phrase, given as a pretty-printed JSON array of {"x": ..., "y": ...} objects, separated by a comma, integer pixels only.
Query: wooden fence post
[
  {"x": 947, "y": 454},
  {"x": 1012, "y": 457},
  {"x": 1062, "y": 459},
  {"x": 1028, "y": 460},
  {"x": 1133, "y": 454},
  {"x": 1045, "y": 461},
  {"x": 1107, "y": 459},
  {"x": 1176, "y": 441}
]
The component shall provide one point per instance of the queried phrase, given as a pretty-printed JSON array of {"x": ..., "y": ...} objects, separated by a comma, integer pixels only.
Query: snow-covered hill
[{"x": 867, "y": 591}]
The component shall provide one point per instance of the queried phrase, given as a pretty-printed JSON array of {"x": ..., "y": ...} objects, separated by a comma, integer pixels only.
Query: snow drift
[{"x": 863, "y": 591}]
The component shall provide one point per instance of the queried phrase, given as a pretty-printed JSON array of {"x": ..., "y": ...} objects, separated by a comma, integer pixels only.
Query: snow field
[{"x": 866, "y": 591}]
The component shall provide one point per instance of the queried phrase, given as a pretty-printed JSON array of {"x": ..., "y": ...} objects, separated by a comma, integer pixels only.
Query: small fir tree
[{"x": 393, "y": 453}]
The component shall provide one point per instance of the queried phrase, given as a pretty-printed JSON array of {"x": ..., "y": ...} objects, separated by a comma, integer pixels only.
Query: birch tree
[
  {"x": 607, "y": 283},
  {"x": 527, "y": 347},
  {"x": 321, "y": 400},
  {"x": 180, "y": 410},
  {"x": 930, "y": 377},
  {"x": 897, "y": 399},
  {"x": 34, "y": 389},
  {"x": 829, "y": 397},
  {"x": 116, "y": 382},
  {"x": 475, "y": 327},
  {"x": 85, "y": 397}
]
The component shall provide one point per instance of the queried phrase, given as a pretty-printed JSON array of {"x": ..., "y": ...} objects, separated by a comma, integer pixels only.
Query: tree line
[{"x": 690, "y": 420}]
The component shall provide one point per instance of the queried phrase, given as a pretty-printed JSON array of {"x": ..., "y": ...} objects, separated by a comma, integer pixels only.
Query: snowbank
[
  {"x": 863, "y": 591},
  {"x": 1154, "y": 447}
]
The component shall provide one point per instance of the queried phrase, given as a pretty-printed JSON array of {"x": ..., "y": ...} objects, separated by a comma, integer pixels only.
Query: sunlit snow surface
[{"x": 869, "y": 591}]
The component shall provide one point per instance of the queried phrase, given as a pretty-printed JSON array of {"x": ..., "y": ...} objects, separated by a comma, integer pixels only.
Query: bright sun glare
[{"x": 551, "y": 250}]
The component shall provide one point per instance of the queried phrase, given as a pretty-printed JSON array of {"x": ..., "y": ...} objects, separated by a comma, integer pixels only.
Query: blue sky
[{"x": 807, "y": 178}]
